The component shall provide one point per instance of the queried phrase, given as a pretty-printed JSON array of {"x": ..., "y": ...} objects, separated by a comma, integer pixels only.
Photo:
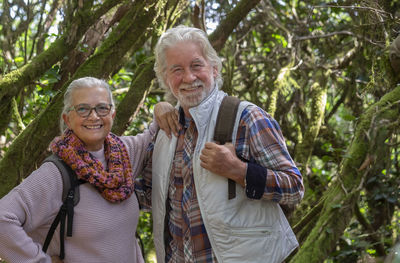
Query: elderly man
[{"x": 193, "y": 218}]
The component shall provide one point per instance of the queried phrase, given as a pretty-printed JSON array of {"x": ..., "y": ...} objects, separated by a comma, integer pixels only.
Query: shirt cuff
[{"x": 255, "y": 180}]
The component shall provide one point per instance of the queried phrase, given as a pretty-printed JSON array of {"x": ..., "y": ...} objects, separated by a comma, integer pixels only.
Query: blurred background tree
[{"x": 322, "y": 69}]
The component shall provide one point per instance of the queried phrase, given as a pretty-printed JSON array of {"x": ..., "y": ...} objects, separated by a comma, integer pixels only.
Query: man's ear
[
  {"x": 113, "y": 114},
  {"x": 215, "y": 72}
]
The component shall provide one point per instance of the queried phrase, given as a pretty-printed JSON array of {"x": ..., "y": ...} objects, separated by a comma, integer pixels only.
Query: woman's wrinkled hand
[{"x": 167, "y": 118}]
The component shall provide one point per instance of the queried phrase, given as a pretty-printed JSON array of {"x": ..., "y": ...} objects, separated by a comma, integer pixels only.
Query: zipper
[{"x": 252, "y": 231}]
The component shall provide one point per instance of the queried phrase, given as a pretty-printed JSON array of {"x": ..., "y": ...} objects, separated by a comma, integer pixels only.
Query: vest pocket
[
  {"x": 249, "y": 244},
  {"x": 252, "y": 231}
]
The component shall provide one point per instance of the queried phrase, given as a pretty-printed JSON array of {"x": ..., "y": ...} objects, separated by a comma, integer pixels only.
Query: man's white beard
[{"x": 194, "y": 100}]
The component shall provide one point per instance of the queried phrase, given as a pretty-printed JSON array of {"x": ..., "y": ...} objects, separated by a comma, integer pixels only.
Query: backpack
[
  {"x": 223, "y": 134},
  {"x": 70, "y": 197}
]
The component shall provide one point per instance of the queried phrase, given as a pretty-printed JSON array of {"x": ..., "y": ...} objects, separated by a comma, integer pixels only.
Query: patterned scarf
[{"x": 116, "y": 184}]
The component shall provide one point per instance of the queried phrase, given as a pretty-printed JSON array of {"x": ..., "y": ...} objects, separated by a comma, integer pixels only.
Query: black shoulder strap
[
  {"x": 67, "y": 175},
  {"x": 70, "y": 197},
  {"x": 224, "y": 129}
]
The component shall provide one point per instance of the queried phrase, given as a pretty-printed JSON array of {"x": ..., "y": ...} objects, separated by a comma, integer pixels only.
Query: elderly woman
[{"x": 106, "y": 216}]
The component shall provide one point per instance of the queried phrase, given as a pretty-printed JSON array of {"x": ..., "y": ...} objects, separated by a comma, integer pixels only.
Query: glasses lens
[
  {"x": 82, "y": 109},
  {"x": 103, "y": 109}
]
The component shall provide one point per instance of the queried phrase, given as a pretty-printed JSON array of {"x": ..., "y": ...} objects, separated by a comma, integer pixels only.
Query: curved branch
[
  {"x": 136, "y": 93},
  {"x": 225, "y": 28}
]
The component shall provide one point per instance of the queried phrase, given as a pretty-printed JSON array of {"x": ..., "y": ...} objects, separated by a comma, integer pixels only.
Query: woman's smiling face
[{"x": 93, "y": 129}]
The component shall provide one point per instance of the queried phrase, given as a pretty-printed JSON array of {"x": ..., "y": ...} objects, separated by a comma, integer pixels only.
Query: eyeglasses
[{"x": 84, "y": 110}]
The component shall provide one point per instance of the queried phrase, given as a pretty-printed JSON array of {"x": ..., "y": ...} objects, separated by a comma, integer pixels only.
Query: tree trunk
[{"x": 137, "y": 91}]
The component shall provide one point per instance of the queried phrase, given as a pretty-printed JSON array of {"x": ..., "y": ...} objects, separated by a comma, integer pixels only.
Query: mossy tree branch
[
  {"x": 226, "y": 26},
  {"x": 137, "y": 91}
]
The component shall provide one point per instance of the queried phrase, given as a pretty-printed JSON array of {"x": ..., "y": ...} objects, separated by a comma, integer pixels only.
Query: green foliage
[
  {"x": 350, "y": 246},
  {"x": 145, "y": 231}
]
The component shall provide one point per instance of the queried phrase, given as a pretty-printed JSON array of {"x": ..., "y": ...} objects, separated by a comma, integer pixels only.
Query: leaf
[
  {"x": 19, "y": 59},
  {"x": 348, "y": 117}
]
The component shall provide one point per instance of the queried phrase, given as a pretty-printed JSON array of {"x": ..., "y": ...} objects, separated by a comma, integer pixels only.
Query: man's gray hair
[
  {"x": 181, "y": 34},
  {"x": 82, "y": 83}
]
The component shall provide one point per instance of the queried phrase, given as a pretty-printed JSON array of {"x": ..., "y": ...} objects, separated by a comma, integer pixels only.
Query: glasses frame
[{"x": 74, "y": 108}]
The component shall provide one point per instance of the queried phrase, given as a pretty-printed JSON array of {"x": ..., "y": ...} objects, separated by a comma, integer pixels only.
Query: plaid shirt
[{"x": 260, "y": 143}]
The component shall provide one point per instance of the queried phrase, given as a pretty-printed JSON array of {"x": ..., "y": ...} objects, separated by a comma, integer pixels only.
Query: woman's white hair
[
  {"x": 182, "y": 34},
  {"x": 82, "y": 83}
]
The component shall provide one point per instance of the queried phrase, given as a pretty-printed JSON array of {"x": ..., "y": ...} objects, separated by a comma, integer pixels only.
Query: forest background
[{"x": 326, "y": 71}]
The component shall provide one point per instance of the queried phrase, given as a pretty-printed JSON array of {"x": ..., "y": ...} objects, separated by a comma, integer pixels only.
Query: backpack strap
[
  {"x": 224, "y": 128},
  {"x": 67, "y": 175},
  {"x": 70, "y": 198}
]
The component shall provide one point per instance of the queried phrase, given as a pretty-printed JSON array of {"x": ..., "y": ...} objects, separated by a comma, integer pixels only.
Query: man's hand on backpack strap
[{"x": 222, "y": 160}]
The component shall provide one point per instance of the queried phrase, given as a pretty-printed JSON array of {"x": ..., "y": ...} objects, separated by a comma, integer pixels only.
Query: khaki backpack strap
[{"x": 224, "y": 128}]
